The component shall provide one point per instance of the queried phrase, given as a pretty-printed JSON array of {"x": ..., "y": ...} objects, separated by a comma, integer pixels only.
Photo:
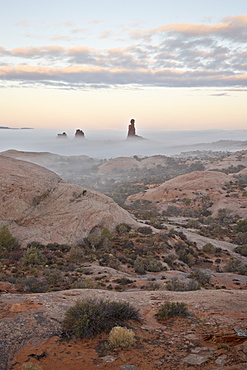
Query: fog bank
[{"x": 112, "y": 143}]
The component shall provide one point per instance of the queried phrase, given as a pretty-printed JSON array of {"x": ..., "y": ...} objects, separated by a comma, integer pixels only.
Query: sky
[{"x": 169, "y": 64}]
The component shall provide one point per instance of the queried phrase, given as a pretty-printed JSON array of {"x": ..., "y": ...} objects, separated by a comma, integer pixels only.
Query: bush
[
  {"x": 7, "y": 241},
  {"x": 145, "y": 230},
  {"x": 33, "y": 285},
  {"x": 241, "y": 250},
  {"x": 121, "y": 337},
  {"x": 209, "y": 248},
  {"x": 171, "y": 309},
  {"x": 88, "y": 318},
  {"x": 176, "y": 285},
  {"x": 33, "y": 257},
  {"x": 123, "y": 228},
  {"x": 201, "y": 277}
]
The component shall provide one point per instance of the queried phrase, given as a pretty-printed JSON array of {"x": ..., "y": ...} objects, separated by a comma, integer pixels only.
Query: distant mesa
[
  {"x": 79, "y": 134},
  {"x": 62, "y": 136},
  {"x": 132, "y": 131}
]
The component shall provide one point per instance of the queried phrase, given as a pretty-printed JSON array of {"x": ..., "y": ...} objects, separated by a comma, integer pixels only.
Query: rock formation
[
  {"x": 37, "y": 205},
  {"x": 62, "y": 136},
  {"x": 132, "y": 131},
  {"x": 79, "y": 134}
]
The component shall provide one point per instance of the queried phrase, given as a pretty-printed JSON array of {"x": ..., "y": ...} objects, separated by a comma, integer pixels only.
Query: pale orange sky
[{"x": 97, "y": 64}]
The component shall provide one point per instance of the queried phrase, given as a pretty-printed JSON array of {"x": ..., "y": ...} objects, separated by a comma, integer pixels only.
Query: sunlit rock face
[{"x": 37, "y": 205}]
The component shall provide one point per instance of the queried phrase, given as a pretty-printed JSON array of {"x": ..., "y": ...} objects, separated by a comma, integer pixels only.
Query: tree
[{"x": 7, "y": 241}]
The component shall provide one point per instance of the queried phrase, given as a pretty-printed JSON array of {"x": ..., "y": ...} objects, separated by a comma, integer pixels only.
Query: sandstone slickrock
[
  {"x": 204, "y": 183},
  {"x": 37, "y": 205}
]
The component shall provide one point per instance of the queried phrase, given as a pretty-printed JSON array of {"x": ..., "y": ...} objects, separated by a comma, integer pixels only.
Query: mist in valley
[{"x": 106, "y": 144}]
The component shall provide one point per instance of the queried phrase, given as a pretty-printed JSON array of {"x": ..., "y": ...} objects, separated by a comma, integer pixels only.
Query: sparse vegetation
[
  {"x": 90, "y": 317},
  {"x": 121, "y": 337},
  {"x": 171, "y": 309}
]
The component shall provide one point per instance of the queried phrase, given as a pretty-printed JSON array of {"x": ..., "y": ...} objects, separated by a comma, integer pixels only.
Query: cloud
[
  {"x": 84, "y": 76},
  {"x": 22, "y": 23},
  {"x": 105, "y": 34},
  {"x": 96, "y": 21},
  {"x": 172, "y": 55},
  {"x": 234, "y": 28}
]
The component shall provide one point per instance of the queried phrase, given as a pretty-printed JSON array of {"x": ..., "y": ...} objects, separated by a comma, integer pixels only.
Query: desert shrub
[
  {"x": 7, "y": 241},
  {"x": 145, "y": 230},
  {"x": 123, "y": 228},
  {"x": 85, "y": 283},
  {"x": 197, "y": 166},
  {"x": 33, "y": 257},
  {"x": 154, "y": 265},
  {"x": 140, "y": 265},
  {"x": 177, "y": 285},
  {"x": 241, "y": 250},
  {"x": 240, "y": 238},
  {"x": 90, "y": 317},
  {"x": 76, "y": 254},
  {"x": 124, "y": 281},
  {"x": 30, "y": 366},
  {"x": 169, "y": 259},
  {"x": 235, "y": 265},
  {"x": 53, "y": 276},
  {"x": 121, "y": 337},
  {"x": 33, "y": 285},
  {"x": 201, "y": 277},
  {"x": 193, "y": 224},
  {"x": 209, "y": 248},
  {"x": 171, "y": 309}
]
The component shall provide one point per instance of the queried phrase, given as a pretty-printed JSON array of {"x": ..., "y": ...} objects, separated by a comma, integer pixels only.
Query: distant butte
[
  {"x": 132, "y": 131},
  {"x": 79, "y": 134},
  {"x": 62, "y": 136}
]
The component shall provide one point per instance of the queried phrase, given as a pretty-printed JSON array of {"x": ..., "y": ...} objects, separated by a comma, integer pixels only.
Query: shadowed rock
[
  {"x": 62, "y": 136},
  {"x": 79, "y": 134},
  {"x": 132, "y": 131}
]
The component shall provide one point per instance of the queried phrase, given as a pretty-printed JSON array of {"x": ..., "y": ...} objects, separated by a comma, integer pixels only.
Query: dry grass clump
[
  {"x": 121, "y": 337},
  {"x": 30, "y": 366}
]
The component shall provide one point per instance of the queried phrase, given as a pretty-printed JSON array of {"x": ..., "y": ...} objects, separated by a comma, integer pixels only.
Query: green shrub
[
  {"x": 33, "y": 257},
  {"x": 177, "y": 285},
  {"x": 123, "y": 228},
  {"x": 140, "y": 265},
  {"x": 241, "y": 226},
  {"x": 154, "y": 265},
  {"x": 201, "y": 277},
  {"x": 7, "y": 241},
  {"x": 171, "y": 309},
  {"x": 33, "y": 285},
  {"x": 121, "y": 337},
  {"x": 88, "y": 318},
  {"x": 241, "y": 250},
  {"x": 209, "y": 248}
]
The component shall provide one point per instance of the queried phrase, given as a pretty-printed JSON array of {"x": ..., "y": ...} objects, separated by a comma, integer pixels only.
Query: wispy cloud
[
  {"x": 22, "y": 23},
  {"x": 171, "y": 55}
]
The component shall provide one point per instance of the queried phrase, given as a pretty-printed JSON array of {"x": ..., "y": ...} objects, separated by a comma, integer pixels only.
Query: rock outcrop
[
  {"x": 194, "y": 186},
  {"x": 37, "y": 205},
  {"x": 62, "y": 136},
  {"x": 79, "y": 134},
  {"x": 132, "y": 131}
]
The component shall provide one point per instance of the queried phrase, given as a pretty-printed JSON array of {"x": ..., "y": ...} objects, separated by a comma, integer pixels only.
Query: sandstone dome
[{"x": 37, "y": 205}]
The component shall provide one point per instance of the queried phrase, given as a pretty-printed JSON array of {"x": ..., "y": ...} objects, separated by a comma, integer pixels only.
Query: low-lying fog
[{"x": 112, "y": 143}]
